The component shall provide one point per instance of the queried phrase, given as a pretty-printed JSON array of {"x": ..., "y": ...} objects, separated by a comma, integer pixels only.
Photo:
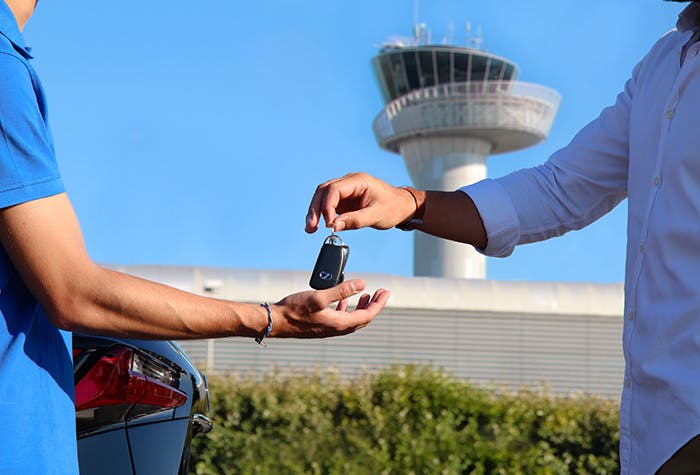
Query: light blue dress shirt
[{"x": 646, "y": 148}]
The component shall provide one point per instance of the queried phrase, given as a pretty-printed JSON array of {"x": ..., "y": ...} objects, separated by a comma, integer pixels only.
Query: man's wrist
[
  {"x": 268, "y": 327},
  {"x": 416, "y": 219}
]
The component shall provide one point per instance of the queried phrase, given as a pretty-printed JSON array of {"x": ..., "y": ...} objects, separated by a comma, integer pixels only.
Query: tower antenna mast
[
  {"x": 416, "y": 27},
  {"x": 415, "y": 12}
]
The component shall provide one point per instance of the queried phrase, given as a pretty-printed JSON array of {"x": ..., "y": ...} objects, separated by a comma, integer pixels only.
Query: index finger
[{"x": 317, "y": 205}]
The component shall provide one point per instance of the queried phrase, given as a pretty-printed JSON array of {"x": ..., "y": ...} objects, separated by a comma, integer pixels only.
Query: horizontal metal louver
[{"x": 567, "y": 354}]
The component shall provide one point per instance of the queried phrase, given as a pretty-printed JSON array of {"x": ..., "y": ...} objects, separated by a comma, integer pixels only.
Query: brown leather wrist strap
[{"x": 417, "y": 218}]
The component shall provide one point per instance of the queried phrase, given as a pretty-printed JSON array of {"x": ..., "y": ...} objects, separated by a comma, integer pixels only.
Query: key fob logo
[{"x": 325, "y": 275}]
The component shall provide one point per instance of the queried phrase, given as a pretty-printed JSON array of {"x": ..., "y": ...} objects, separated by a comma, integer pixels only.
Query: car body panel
[
  {"x": 105, "y": 454},
  {"x": 166, "y": 439}
]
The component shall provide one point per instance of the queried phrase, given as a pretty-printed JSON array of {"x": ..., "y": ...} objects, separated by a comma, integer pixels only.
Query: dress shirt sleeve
[{"x": 577, "y": 185}]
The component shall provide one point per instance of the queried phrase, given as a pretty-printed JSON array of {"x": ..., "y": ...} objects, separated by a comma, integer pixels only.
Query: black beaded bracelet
[{"x": 266, "y": 333}]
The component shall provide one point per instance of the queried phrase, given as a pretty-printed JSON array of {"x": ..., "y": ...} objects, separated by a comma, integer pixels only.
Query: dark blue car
[{"x": 138, "y": 406}]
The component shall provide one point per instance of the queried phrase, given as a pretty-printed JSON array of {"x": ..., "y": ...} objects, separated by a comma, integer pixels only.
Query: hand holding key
[{"x": 359, "y": 200}]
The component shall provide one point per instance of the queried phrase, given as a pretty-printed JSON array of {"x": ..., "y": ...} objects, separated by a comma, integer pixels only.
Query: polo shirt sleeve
[{"x": 28, "y": 168}]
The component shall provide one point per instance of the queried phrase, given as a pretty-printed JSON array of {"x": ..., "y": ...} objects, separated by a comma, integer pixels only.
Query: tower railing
[
  {"x": 469, "y": 105},
  {"x": 479, "y": 90}
]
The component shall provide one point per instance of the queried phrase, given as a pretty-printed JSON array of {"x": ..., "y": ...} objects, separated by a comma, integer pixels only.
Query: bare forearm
[
  {"x": 112, "y": 303},
  {"x": 122, "y": 305},
  {"x": 451, "y": 215}
]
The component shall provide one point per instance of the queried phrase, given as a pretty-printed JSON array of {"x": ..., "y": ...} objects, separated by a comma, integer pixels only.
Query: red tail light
[
  {"x": 112, "y": 381},
  {"x": 115, "y": 389}
]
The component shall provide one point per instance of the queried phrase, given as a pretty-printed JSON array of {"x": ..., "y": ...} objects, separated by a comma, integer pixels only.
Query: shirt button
[
  {"x": 631, "y": 315},
  {"x": 641, "y": 248},
  {"x": 657, "y": 181},
  {"x": 670, "y": 114},
  {"x": 628, "y": 382}
]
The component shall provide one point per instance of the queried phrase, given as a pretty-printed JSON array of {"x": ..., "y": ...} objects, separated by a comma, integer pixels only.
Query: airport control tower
[{"x": 447, "y": 109}]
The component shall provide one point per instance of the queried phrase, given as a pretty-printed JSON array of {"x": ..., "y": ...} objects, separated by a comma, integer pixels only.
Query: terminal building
[{"x": 565, "y": 337}]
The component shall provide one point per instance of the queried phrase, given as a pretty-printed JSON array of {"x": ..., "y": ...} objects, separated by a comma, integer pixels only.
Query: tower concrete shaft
[{"x": 445, "y": 164}]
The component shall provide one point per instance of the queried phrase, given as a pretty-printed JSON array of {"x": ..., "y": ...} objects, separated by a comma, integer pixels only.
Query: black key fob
[{"x": 328, "y": 271}]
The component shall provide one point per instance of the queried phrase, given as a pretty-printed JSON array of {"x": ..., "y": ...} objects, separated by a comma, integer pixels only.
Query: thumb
[
  {"x": 361, "y": 218},
  {"x": 341, "y": 291}
]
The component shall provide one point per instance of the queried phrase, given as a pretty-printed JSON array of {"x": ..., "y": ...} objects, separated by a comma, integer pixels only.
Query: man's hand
[
  {"x": 359, "y": 200},
  {"x": 307, "y": 314}
]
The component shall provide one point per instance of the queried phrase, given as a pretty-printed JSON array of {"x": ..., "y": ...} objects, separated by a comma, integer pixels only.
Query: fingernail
[{"x": 339, "y": 225}]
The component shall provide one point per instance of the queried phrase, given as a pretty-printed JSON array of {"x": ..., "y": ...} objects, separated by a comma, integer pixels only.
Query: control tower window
[
  {"x": 444, "y": 67},
  {"x": 460, "y": 67},
  {"x": 399, "y": 74},
  {"x": 495, "y": 70},
  {"x": 411, "y": 65},
  {"x": 426, "y": 68},
  {"x": 478, "y": 68},
  {"x": 388, "y": 88},
  {"x": 508, "y": 73}
]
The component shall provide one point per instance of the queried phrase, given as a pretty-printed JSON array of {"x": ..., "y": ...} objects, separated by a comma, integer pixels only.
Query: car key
[{"x": 328, "y": 271}]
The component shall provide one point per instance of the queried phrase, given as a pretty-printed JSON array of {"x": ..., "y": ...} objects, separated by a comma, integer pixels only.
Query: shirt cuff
[{"x": 498, "y": 215}]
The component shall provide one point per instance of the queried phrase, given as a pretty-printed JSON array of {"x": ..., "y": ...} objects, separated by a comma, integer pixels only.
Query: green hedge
[{"x": 405, "y": 420}]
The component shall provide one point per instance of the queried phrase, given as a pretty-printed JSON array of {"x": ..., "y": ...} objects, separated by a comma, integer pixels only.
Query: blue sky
[{"x": 194, "y": 133}]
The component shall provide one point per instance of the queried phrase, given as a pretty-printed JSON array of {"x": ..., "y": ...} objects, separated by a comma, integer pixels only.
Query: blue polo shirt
[{"x": 36, "y": 371}]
